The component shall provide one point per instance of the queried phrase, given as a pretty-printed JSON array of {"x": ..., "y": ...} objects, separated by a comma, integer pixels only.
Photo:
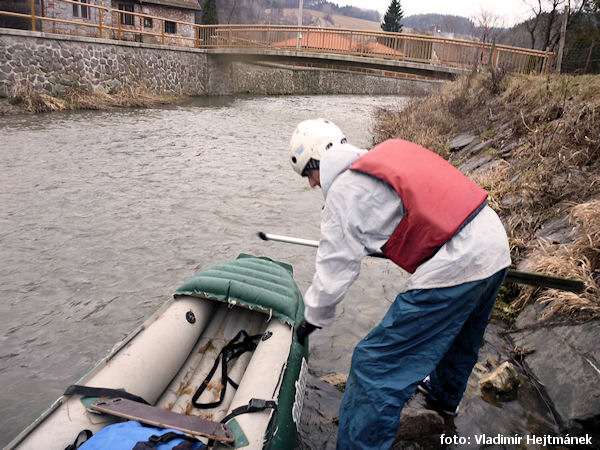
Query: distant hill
[
  {"x": 323, "y": 19},
  {"x": 323, "y": 13},
  {"x": 285, "y": 12},
  {"x": 440, "y": 24}
]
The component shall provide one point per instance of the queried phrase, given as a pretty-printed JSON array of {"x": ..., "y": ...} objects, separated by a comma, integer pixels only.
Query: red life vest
[{"x": 437, "y": 197}]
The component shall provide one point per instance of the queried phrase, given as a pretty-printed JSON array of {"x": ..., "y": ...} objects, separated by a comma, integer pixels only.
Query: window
[
  {"x": 126, "y": 19},
  {"x": 80, "y": 10},
  {"x": 147, "y": 22},
  {"x": 170, "y": 27}
]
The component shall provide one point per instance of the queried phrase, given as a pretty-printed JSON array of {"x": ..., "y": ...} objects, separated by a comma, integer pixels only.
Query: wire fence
[{"x": 582, "y": 57}]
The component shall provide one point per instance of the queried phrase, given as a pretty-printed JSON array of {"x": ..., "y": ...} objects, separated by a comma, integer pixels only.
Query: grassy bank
[
  {"x": 25, "y": 99},
  {"x": 542, "y": 135}
]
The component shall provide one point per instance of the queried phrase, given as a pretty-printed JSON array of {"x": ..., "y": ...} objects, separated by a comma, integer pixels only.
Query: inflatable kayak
[{"x": 219, "y": 361}]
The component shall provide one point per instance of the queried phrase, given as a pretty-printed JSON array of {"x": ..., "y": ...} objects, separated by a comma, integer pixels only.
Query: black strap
[
  {"x": 154, "y": 440},
  {"x": 256, "y": 404},
  {"x": 85, "y": 434},
  {"x": 232, "y": 350},
  {"x": 88, "y": 391}
]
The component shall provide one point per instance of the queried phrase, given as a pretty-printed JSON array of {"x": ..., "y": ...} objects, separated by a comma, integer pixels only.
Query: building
[{"x": 151, "y": 21}]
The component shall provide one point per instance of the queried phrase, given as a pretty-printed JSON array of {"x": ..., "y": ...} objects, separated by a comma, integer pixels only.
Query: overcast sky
[{"x": 511, "y": 11}]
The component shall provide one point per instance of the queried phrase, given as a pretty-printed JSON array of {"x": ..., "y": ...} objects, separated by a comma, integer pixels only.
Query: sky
[{"x": 508, "y": 11}]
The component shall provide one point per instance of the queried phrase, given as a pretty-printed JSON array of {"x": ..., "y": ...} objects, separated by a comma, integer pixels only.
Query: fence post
[
  {"x": 119, "y": 22},
  {"x": 100, "y": 12},
  {"x": 491, "y": 58},
  {"x": 589, "y": 58},
  {"x": 32, "y": 4},
  {"x": 545, "y": 61}
]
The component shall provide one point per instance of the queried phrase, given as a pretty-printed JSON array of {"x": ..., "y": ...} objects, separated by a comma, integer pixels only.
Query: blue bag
[{"x": 126, "y": 435}]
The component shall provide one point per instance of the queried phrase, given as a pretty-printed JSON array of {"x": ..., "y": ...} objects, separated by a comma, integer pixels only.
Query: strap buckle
[{"x": 256, "y": 404}]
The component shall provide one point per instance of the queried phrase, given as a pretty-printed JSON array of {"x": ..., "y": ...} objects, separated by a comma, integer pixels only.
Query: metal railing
[{"x": 110, "y": 23}]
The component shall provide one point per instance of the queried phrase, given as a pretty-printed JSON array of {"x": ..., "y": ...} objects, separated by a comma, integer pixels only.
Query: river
[{"x": 104, "y": 214}]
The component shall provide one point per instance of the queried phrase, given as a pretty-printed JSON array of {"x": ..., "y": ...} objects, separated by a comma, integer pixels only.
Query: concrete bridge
[
  {"x": 420, "y": 56},
  {"x": 324, "y": 60}
]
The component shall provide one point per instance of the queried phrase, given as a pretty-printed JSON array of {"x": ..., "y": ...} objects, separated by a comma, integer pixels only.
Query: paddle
[{"x": 515, "y": 276}]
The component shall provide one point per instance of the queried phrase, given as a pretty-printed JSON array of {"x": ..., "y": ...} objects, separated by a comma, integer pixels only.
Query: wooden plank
[{"x": 158, "y": 417}]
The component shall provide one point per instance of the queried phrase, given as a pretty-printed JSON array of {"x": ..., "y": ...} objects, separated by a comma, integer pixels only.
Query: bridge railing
[
  {"x": 107, "y": 23},
  {"x": 397, "y": 46}
]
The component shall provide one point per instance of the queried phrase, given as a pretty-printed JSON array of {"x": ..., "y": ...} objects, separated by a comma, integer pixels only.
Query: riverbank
[
  {"x": 534, "y": 144},
  {"x": 26, "y": 100}
]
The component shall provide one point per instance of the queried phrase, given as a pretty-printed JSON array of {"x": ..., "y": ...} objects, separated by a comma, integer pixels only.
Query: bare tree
[
  {"x": 544, "y": 26},
  {"x": 489, "y": 21},
  {"x": 532, "y": 24}
]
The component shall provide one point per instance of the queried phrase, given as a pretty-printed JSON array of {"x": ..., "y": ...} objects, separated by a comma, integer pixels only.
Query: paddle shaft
[{"x": 515, "y": 276}]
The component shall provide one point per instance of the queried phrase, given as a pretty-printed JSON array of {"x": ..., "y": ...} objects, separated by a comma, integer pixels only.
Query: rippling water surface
[{"x": 104, "y": 214}]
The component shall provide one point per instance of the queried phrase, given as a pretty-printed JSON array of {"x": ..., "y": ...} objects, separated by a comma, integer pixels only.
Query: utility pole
[
  {"x": 299, "y": 25},
  {"x": 561, "y": 43}
]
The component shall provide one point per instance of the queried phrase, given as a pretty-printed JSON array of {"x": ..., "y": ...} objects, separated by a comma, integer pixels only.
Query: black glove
[{"x": 303, "y": 330}]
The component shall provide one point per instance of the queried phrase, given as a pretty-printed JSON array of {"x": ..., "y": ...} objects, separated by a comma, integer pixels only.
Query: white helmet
[{"x": 310, "y": 140}]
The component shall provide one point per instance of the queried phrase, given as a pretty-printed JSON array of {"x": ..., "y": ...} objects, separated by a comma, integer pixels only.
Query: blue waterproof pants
[{"x": 434, "y": 332}]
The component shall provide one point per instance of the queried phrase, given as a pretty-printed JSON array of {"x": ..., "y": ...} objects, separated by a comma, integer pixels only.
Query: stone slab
[{"x": 566, "y": 362}]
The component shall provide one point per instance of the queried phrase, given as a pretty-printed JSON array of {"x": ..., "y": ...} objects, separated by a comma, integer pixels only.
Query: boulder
[
  {"x": 475, "y": 163},
  {"x": 418, "y": 427},
  {"x": 337, "y": 380},
  {"x": 477, "y": 147},
  {"x": 566, "y": 362},
  {"x": 461, "y": 141},
  {"x": 502, "y": 382},
  {"x": 320, "y": 416}
]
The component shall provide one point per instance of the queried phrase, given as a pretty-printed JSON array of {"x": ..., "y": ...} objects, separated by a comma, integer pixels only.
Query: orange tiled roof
[{"x": 336, "y": 42}]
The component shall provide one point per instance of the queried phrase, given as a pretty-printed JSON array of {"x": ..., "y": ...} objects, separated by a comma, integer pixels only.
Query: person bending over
[{"x": 433, "y": 222}]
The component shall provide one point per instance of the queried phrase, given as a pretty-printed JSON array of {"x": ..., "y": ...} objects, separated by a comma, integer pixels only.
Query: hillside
[{"x": 322, "y": 19}]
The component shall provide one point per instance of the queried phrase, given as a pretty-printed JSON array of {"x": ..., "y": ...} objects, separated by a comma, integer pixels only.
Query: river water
[{"x": 104, "y": 214}]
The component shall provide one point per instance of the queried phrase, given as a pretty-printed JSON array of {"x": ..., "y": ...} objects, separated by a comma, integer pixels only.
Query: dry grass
[
  {"x": 29, "y": 100},
  {"x": 579, "y": 260},
  {"x": 553, "y": 169}
]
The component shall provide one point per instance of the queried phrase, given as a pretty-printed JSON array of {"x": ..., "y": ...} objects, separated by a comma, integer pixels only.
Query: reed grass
[{"x": 29, "y": 100}]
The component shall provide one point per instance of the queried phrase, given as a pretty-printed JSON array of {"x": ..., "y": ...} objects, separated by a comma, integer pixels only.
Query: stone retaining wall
[
  {"x": 272, "y": 79},
  {"x": 52, "y": 63}
]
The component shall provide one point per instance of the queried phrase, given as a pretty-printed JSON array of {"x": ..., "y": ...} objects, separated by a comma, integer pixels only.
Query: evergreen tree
[
  {"x": 209, "y": 13},
  {"x": 392, "y": 18}
]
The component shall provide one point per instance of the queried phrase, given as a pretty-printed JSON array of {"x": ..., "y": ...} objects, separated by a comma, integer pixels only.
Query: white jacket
[{"x": 360, "y": 214}]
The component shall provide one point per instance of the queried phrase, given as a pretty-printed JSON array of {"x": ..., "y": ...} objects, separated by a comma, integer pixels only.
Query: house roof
[
  {"x": 337, "y": 42},
  {"x": 185, "y": 4}
]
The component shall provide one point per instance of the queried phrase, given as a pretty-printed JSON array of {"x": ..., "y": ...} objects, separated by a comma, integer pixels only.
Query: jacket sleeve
[
  {"x": 337, "y": 265},
  {"x": 359, "y": 216}
]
